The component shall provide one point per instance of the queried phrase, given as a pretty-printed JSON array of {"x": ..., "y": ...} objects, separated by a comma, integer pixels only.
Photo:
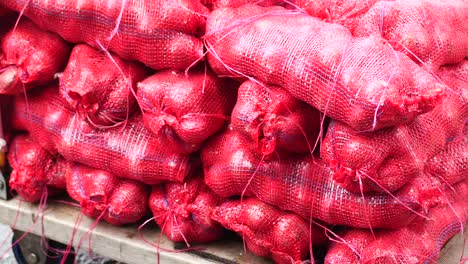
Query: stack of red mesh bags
[{"x": 298, "y": 125}]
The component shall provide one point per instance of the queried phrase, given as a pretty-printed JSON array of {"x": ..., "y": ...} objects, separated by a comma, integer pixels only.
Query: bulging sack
[
  {"x": 103, "y": 195},
  {"x": 347, "y": 251},
  {"x": 161, "y": 34},
  {"x": 360, "y": 81},
  {"x": 35, "y": 171},
  {"x": 301, "y": 185},
  {"x": 269, "y": 232},
  {"x": 419, "y": 242},
  {"x": 185, "y": 109},
  {"x": 29, "y": 57},
  {"x": 432, "y": 33},
  {"x": 387, "y": 159},
  {"x": 130, "y": 151},
  {"x": 451, "y": 164},
  {"x": 346, "y": 13},
  {"x": 99, "y": 86},
  {"x": 183, "y": 210},
  {"x": 215, "y": 4},
  {"x": 275, "y": 121}
]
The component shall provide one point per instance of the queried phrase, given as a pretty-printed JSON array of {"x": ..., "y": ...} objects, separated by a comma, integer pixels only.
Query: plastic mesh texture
[
  {"x": 98, "y": 86},
  {"x": 394, "y": 156},
  {"x": 431, "y": 32},
  {"x": 31, "y": 56},
  {"x": 102, "y": 194},
  {"x": 161, "y": 33},
  {"x": 215, "y": 4},
  {"x": 276, "y": 121},
  {"x": 360, "y": 81},
  {"x": 232, "y": 167},
  {"x": 130, "y": 152},
  {"x": 420, "y": 242},
  {"x": 269, "y": 232},
  {"x": 432, "y": 189},
  {"x": 183, "y": 211},
  {"x": 185, "y": 109},
  {"x": 347, "y": 252},
  {"x": 451, "y": 164},
  {"x": 34, "y": 170},
  {"x": 343, "y": 12}
]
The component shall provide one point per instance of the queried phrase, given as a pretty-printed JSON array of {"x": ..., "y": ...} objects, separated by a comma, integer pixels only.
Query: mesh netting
[
  {"x": 392, "y": 157},
  {"x": 34, "y": 170},
  {"x": 419, "y": 242},
  {"x": 183, "y": 211},
  {"x": 451, "y": 164},
  {"x": 185, "y": 109},
  {"x": 355, "y": 240},
  {"x": 161, "y": 33},
  {"x": 360, "y": 81},
  {"x": 131, "y": 151},
  {"x": 99, "y": 86},
  {"x": 275, "y": 120},
  {"x": 269, "y": 232},
  {"x": 444, "y": 170},
  {"x": 346, "y": 13},
  {"x": 101, "y": 194},
  {"x": 232, "y": 167},
  {"x": 31, "y": 56},
  {"x": 215, "y": 4},
  {"x": 431, "y": 32},
  {"x": 391, "y": 74}
]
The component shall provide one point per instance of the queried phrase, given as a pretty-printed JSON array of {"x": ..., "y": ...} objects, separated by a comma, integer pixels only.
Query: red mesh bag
[
  {"x": 183, "y": 211},
  {"x": 343, "y": 12},
  {"x": 441, "y": 173},
  {"x": 360, "y": 81},
  {"x": 269, "y": 232},
  {"x": 420, "y": 242},
  {"x": 431, "y": 32},
  {"x": 347, "y": 251},
  {"x": 274, "y": 119},
  {"x": 102, "y": 194},
  {"x": 185, "y": 109},
  {"x": 430, "y": 191},
  {"x": 130, "y": 152},
  {"x": 392, "y": 157},
  {"x": 232, "y": 167},
  {"x": 31, "y": 56},
  {"x": 99, "y": 87},
  {"x": 34, "y": 170},
  {"x": 161, "y": 33},
  {"x": 451, "y": 164},
  {"x": 215, "y": 4}
]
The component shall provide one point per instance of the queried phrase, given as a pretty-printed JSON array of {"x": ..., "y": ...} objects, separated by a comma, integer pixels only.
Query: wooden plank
[
  {"x": 123, "y": 243},
  {"x": 451, "y": 254},
  {"x": 119, "y": 243}
]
